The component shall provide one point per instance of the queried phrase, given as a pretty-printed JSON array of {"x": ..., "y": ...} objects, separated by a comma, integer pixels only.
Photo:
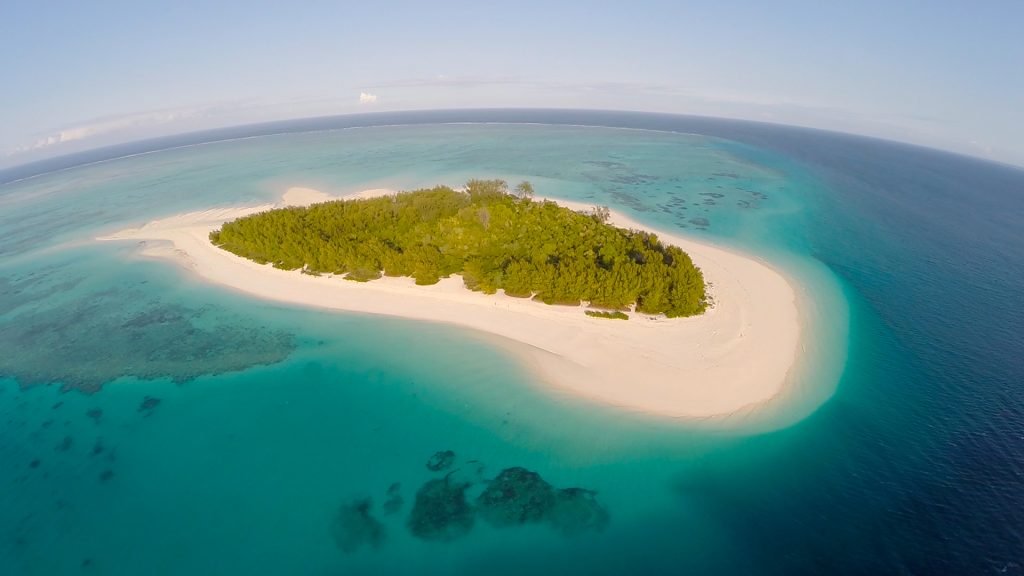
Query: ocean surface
[{"x": 154, "y": 424}]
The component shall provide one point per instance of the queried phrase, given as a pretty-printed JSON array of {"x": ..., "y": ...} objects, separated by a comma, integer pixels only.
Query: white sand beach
[{"x": 726, "y": 361}]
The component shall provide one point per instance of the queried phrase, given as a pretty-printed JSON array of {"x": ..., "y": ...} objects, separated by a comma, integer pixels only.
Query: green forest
[{"x": 495, "y": 238}]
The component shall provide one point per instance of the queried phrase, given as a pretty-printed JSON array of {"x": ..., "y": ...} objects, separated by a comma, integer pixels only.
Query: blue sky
[{"x": 945, "y": 74}]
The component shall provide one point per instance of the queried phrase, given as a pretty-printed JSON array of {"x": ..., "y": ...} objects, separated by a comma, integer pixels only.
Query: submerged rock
[
  {"x": 519, "y": 496},
  {"x": 95, "y": 414},
  {"x": 149, "y": 404},
  {"x": 577, "y": 510},
  {"x": 516, "y": 496},
  {"x": 441, "y": 461},
  {"x": 354, "y": 526},
  {"x": 394, "y": 502},
  {"x": 441, "y": 511}
]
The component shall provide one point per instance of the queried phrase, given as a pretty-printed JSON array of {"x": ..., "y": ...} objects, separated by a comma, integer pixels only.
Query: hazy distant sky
[{"x": 946, "y": 74}]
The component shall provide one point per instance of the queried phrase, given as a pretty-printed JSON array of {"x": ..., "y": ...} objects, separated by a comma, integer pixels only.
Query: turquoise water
[{"x": 222, "y": 434}]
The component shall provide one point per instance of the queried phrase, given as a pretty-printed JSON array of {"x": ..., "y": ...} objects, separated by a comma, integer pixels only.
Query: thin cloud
[
  {"x": 444, "y": 80},
  {"x": 367, "y": 98},
  {"x": 107, "y": 126}
]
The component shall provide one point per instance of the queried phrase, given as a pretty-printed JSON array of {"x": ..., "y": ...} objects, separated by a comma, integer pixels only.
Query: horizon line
[{"x": 131, "y": 148}]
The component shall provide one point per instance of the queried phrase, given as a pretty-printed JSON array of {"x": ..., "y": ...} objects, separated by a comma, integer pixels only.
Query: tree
[
  {"x": 524, "y": 190},
  {"x": 601, "y": 214}
]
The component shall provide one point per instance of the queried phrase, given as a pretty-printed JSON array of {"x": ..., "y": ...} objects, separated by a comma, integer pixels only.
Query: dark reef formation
[
  {"x": 516, "y": 496},
  {"x": 149, "y": 404},
  {"x": 519, "y": 496},
  {"x": 354, "y": 526},
  {"x": 441, "y": 511},
  {"x": 441, "y": 460},
  {"x": 84, "y": 343}
]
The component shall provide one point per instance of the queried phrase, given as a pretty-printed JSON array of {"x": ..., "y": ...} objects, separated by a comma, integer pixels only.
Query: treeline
[{"x": 494, "y": 239}]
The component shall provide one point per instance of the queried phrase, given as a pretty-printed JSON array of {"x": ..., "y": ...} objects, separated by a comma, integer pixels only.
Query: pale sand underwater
[{"x": 731, "y": 359}]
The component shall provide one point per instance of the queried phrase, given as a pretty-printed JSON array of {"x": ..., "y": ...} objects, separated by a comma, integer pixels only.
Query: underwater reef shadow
[{"x": 442, "y": 511}]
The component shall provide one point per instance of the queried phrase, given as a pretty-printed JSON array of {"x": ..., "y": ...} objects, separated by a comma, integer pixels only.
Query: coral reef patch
[
  {"x": 86, "y": 342},
  {"x": 441, "y": 511},
  {"x": 441, "y": 460},
  {"x": 519, "y": 496},
  {"x": 515, "y": 496},
  {"x": 149, "y": 404}
]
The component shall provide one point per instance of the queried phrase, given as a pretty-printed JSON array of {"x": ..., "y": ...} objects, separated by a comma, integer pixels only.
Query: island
[
  {"x": 727, "y": 351},
  {"x": 493, "y": 239}
]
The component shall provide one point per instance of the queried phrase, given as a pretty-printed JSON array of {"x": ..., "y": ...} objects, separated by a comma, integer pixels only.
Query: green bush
[{"x": 613, "y": 314}]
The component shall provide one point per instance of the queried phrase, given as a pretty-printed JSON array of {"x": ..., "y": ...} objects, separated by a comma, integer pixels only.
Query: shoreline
[{"x": 732, "y": 359}]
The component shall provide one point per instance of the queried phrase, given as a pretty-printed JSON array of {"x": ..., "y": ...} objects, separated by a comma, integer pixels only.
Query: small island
[
  {"x": 708, "y": 331},
  {"x": 493, "y": 239}
]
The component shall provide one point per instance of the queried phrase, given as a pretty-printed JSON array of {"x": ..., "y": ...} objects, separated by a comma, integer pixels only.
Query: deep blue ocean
[{"x": 154, "y": 424}]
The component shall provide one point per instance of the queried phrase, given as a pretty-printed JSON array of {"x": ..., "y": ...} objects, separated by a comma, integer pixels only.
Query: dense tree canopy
[{"x": 494, "y": 239}]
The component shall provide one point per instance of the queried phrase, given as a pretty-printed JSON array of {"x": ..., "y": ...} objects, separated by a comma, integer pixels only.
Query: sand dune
[{"x": 730, "y": 359}]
